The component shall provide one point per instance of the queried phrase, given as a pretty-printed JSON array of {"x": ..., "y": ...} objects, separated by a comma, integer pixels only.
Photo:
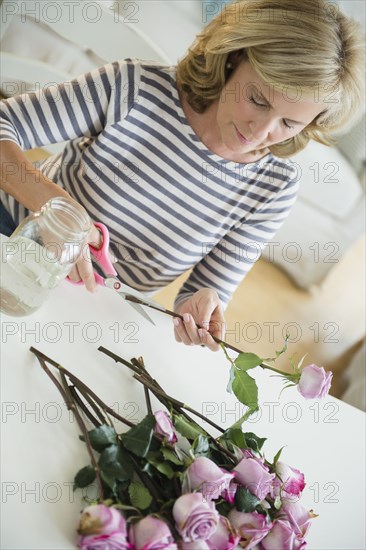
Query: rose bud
[
  {"x": 293, "y": 481},
  {"x": 282, "y": 536},
  {"x": 195, "y": 518},
  {"x": 252, "y": 473},
  {"x": 101, "y": 519},
  {"x": 314, "y": 382},
  {"x": 164, "y": 426},
  {"x": 298, "y": 516},
  {"x": 203, "y": 474},
  {"x": 113, "y": 541},
  {"x": 252, "y": 527},
  {"x": 224, "y": 538},
  {"x": 151, "y": 533}
]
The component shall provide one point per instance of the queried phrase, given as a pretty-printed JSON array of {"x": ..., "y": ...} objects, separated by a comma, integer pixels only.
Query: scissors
[{"x": 110, "y": 279}]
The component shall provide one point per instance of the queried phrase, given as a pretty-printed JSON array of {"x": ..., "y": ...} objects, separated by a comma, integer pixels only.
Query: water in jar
[{"x": 28, "y": 274}]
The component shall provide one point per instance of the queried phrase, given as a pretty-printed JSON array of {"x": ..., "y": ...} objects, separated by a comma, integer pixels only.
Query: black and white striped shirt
[{"x": 133, "y": 161}]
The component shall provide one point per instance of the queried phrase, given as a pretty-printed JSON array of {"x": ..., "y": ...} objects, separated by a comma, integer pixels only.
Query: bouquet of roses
[{"x": 167, "y": 483}]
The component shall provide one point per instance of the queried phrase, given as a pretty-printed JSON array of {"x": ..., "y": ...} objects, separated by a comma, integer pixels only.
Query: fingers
[
  {"x": 83, "y": 270},
  {"x": 187, "y": 332}
]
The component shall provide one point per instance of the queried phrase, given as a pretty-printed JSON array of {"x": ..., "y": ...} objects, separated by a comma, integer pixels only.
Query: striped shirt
[{"x": 135, "y": 164}]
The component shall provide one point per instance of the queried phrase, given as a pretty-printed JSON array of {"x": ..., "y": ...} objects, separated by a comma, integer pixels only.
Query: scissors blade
[{"x": 126, "y": 291}]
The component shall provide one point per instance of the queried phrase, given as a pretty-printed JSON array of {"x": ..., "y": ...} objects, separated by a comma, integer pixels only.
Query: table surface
[{"x": 41, "y": 451}]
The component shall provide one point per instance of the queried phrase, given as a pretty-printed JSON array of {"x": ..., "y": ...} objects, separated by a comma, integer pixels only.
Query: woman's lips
[{"x": 242, "y": 138}]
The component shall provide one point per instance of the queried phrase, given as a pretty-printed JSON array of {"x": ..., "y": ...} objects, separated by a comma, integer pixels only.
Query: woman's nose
[{"x": 261, "y": 128}]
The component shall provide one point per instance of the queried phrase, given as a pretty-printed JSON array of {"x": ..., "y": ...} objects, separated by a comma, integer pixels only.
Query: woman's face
[{"x": 252, "y": 115}]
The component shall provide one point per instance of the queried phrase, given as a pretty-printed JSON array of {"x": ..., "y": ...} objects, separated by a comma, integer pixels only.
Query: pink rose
[
  {"x": 293, "y": 481},
  {"x": 203, "y": 474},
  {"x": 114, "y": 541},
  {"x": 282, "y": 537},
  {"x": 229, "y": 493},
  {"x": 196, "y": 545},
  {"x": 252, "y": 527},
  {"x": 164, "y": 426},
  {"x": 224, "y": 538},
  {"x": 252, "y": 473},
  {"x": 314, "y": 382},
  {"x": 195, "y": 517},
  {"x": 151, "y": 533},
  {"x": 101, "y": 520},
  {"x": 298, "y": 516}
]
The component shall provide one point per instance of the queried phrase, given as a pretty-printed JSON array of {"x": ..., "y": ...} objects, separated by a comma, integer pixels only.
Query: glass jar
[{"x": 40, "y": 253}]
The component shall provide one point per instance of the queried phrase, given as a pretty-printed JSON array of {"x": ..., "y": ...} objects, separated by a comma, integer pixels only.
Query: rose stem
[
  {"x": 81, "y": 386},
  {"x": 103, "y": 419},
  {"x": 159, "y": 390},
  {"x": 140, "y": 362},
  {"x": 178, "y": 403},
  {"x": 82, "y": 406},
  {"x": 65, "y": 392},
  {"x": 152, "y": 487},
  {"x": 131, "y": 298}
]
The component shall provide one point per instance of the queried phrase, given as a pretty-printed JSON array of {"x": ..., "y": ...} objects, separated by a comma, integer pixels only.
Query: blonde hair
[{"x": 308, "y": 45}]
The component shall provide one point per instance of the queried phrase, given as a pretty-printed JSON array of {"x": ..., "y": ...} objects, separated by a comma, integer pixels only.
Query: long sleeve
[
  {"x": 226, "y": 264},
  {"x": 81, "y": 107}
]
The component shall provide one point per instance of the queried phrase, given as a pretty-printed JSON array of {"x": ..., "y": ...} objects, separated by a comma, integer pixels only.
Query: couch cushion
[
  {"x": 327, "y": 218},
  {"x": 328, "y": 181}
]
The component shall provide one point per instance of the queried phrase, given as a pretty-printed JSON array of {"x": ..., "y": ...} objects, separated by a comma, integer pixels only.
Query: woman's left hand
[{"x": 204, "y": 309}]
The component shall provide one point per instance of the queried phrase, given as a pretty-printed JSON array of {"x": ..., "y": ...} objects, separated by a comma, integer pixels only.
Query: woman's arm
[
  {"x": 20, "y": 179},
  {"x": 213, "y": 280}
]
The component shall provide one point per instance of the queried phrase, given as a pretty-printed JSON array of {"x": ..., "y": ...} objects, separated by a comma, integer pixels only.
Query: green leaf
[
  {"x": 278, "y": 353},
  {"x": 102, "y": 437},
  {"x": 138, "y": 439},
  {"x": 235, "y": 436},
  {"x": 139, "y": 496},
  {"x": 245, "y": 501},
  {"x": 229, "y": 387},
  {"x": 301, "y": 361},
  {"x": 246, "y": 361},
  {"x": 201, "y": 446},
  {"x": 238, "y": 424},
  {"x": 109, "y": 480},
  {"x": 84, "y": 477},
  {"x": 187, "y": 428},
  {"x": 254, "y": 442},
  {"x": 245, "y": 389},
  {"x": 277, "y": 457},
  {"x": 116, "y": 464},
  {"x": 170, "y": 455},
  {"x": 163, "y": 467}
]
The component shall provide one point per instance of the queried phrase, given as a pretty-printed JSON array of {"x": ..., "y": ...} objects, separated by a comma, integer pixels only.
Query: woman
[{"x": 187, "y": 165}]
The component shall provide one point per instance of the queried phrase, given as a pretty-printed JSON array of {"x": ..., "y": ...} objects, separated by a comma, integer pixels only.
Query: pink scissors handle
[{"x": 102, "y": 257}]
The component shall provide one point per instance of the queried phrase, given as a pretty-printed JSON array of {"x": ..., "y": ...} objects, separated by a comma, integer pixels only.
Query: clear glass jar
[{"x": 40, "y": 253}]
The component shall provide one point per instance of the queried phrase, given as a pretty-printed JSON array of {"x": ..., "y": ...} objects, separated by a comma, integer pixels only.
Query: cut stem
[{"x": 71, "y": 405}]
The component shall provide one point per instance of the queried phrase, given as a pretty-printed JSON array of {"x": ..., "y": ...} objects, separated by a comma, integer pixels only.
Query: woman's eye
[
  {"x": 287, "y": 125},
  {"x": 256, "y": 102}
]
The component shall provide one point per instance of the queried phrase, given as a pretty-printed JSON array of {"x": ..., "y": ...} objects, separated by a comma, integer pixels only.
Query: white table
[{"x": 41, "y": 451}]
